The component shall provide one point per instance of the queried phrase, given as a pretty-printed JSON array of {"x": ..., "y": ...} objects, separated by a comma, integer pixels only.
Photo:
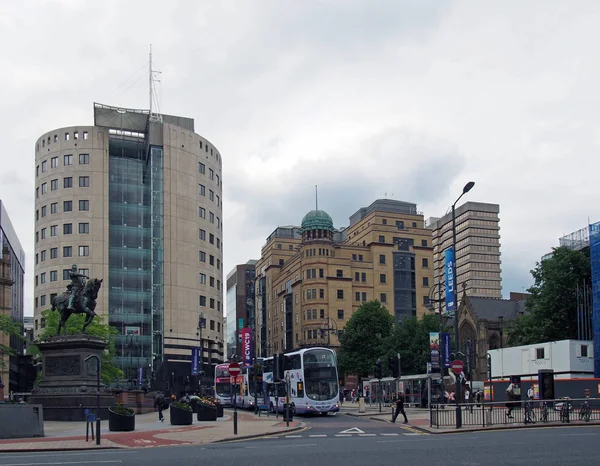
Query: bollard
[
  {"x": 98, "y": 431},
  {"x": 235, "y": 430}
]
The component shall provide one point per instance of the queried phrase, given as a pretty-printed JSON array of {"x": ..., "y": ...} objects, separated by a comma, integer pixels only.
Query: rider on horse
[{"x": 77, "y": 284}]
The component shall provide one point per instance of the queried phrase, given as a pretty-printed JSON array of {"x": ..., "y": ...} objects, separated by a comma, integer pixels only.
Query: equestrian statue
[{"x": 80, "y": 298}]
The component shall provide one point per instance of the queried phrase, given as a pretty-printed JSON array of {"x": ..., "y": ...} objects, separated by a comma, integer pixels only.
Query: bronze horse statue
[{"x": 85, "y": 303}]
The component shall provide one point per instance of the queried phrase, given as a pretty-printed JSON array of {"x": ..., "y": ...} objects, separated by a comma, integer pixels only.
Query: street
[{"x": 347, "y": 440}]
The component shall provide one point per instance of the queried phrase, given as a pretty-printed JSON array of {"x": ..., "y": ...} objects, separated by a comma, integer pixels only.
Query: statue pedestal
[{"x": 69, "y": 384}]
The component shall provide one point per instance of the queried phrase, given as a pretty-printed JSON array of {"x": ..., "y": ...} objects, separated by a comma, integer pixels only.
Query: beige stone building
[
  {"x": 477, "y": 248},
  {"x": 135, "y": 199},
  {"x": 310, "y": 279}
]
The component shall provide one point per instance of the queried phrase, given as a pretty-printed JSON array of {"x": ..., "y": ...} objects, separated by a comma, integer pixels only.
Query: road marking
[
  {"x": 318, "y": 435},
  {"x": 64, "y": 462},
  {"x": 343, "y": 435},
  {"x": 367, "y": 435},
  {"x": 411, "y": 433},
  {"x": 353, "y": 430},
  {"x": 292, "y": 436},
  {"x": 388, "y": 435}
]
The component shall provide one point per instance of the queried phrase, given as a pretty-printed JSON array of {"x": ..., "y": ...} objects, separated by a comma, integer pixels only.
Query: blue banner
[
  {"x": 140, "y": 373},
  {"x": 446, "y": 349},
  {"x": 450, "y": 290},
  {"x": 195, "y": 361}
]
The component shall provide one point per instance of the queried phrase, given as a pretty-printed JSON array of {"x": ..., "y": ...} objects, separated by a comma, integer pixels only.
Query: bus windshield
[
  {"x": 320, "y": 374},
  {"x": 223, "y": 389}
]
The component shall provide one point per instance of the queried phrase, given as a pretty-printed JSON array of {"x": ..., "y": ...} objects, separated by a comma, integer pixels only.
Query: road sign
[
  {"x": 234, "y": 369},
  {"x": 457, "y": 366}
]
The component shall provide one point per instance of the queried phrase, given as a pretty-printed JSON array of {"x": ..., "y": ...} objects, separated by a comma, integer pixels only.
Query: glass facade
[
  {"x": 10, "y": 242},
  {"x": 135, "y": 253},
  {"x": 231, "y": 319}
]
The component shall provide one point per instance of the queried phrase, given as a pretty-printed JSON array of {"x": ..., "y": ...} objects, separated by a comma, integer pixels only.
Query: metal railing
[{"x": 486, "y": 414}]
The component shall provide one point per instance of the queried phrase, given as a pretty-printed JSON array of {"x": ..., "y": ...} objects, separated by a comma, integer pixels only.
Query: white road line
[
  {"x": 64, "y": 462},
  {"x": 293, "y": 436},
  {"x": 388, "y": 435},
  {"x": 343, "y": 435},
  {"x": 367, "y": 435},
  {"x": 318, "y": 435},
  {"x": 412, "y": 433}
]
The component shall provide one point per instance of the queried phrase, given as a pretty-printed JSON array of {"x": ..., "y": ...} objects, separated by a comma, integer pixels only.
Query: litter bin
[{"x": 287, "y": 410}]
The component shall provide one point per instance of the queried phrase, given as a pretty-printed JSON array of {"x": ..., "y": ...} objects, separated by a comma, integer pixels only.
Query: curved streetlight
[{"x": 458, "y": 397}]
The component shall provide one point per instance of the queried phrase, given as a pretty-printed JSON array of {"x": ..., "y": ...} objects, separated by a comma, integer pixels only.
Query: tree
[
  {"x": 11, "y": 328},
  {"x": 410, "y": 339},
  {"x": 364, "y": 338},
  {"x": 552, "y": 305},
  {"x": 109, "y": 371}
]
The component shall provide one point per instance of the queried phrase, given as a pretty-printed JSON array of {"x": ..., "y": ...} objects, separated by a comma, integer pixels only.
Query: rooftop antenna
[
  {"x": 153, "y": 78},
  {"x": 316, "y": 197}
]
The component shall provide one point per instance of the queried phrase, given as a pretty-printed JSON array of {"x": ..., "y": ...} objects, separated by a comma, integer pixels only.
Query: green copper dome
[{"x": 317, "y": 220}]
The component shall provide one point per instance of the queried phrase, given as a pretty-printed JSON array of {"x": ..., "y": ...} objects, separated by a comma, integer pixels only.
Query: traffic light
[
  {"x": 278, "y": 367},
  {"x": 394, "y": 365},
  {"x": 489, "y": 367},
  {"x": 378, "y": 371}
]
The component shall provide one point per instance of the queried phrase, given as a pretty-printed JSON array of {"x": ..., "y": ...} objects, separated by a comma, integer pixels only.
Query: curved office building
[{"x": 136, "y": 199}]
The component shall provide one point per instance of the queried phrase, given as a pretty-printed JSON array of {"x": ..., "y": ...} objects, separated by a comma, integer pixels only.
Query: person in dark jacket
[
  {"x": 160, "y": 402},
  {"x": 399, "y": 409}
]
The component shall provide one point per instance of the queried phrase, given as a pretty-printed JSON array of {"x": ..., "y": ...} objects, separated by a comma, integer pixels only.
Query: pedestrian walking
[
  {"x": 399, "y": 409},
  {"x": 160, "y": 402},
  {"x": 510, "y": 395}
]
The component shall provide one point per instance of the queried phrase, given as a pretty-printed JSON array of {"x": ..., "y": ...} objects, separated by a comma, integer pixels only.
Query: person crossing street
[{"x": 399, "y": 409}]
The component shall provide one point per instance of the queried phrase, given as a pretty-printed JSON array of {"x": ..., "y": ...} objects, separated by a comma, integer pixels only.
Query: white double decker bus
[{"x": 312, "y": 377}]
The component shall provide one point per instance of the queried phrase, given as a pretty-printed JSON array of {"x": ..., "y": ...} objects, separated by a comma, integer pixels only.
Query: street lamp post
[{"x": 458, "y": 397}]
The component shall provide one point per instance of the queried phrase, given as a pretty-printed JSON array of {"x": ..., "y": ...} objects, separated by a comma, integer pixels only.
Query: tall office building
[
  {"x": 12, "y": 273},
  {"x": 135, "y": 199},
  {"x": 477, "y": 248},
  {"x": 312, "y": 278},
  {"x": 239, "y": 305}
]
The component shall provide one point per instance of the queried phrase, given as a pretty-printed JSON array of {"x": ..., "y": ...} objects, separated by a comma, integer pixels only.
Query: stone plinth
[{"x": 69, "y": 385}]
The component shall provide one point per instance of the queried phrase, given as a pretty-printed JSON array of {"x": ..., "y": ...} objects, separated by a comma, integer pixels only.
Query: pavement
[
  {"x": 418, "y": 419},
  {"x": 151, "y": 433}
]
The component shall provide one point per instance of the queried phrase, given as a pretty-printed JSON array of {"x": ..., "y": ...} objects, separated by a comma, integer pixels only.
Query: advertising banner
[
  {"x": 140, "y": 373},
  {"x": 434, "y": 348},
  {"x": 450, "y": 291},
  {"x": 195, "y": 361},
  {"x": 247, "y": 347},
  {"x": 133, "y": 330},
  {"x": 446, "y": 349}
]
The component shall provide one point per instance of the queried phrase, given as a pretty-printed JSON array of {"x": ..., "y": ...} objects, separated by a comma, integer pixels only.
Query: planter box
[
  {"x": 219, "y": 410},
  {"x": 206, "y": 413},
  {"x": 181, "y": 417},
  {"x": 120, "y": 422}
]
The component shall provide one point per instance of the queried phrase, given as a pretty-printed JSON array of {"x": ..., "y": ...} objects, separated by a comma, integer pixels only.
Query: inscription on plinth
[{"x": 62, "y": 365}]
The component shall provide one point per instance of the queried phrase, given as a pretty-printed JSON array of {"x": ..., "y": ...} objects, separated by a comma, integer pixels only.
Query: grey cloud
[{"x": 398, "y": 162}]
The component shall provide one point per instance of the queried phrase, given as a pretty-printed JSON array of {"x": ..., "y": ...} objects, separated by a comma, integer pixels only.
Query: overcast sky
[{"x": 363, "y": 98}]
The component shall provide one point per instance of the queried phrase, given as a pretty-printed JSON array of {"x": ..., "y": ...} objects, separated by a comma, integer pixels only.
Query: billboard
[
  {"x": 133, "y": 330},
  {"x": 195, "y": 361},
  {"x": 247, "y": 359},
  {"x": 450, "y": 291},
  {"x": 446, "y": 349},
  {"x": 434, "y": 348}
]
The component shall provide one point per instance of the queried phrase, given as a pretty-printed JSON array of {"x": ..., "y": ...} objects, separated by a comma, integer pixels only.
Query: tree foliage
[
  {"x": 410, "y": 339},
  {"x": 552, "y": 305},
  {"x": 11, "y": 328},
  {"x": 109, "y": 371},
  {"x": 364, "y": 338}
]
